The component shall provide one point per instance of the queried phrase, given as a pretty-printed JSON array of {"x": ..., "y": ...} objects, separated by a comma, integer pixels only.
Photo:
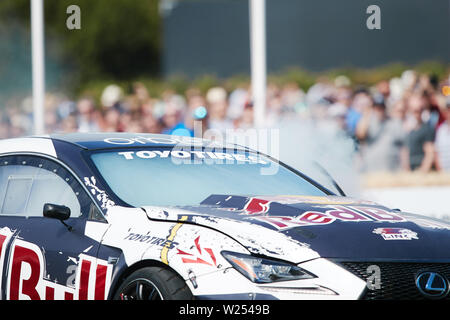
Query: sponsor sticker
[
  {"x": 396, "y": 233},
  {"x": 197, "y": 155}
]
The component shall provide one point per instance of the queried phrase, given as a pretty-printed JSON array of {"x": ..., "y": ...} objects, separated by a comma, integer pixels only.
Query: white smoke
[
  {"x": 307, "y": 146},
  {"x": 304, "y": 143}
]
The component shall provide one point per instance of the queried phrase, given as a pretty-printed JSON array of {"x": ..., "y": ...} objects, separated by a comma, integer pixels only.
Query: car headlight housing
[{"x": 264, "y": 270}]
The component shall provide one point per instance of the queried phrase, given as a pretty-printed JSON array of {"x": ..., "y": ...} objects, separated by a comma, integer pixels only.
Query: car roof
[
  {"x": 110, "y": 140},
  {"x": 107, "y": 140}
]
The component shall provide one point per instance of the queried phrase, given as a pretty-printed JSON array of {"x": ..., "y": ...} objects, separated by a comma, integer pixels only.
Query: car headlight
[{"x": 263, "y": 270}]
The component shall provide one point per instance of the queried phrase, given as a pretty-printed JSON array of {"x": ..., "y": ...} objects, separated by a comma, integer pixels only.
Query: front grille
[{"x": 397, "y": 279}]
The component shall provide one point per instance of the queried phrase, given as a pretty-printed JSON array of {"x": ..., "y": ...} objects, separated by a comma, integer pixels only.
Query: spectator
[
  {"x": 111, "y": 96},
  {"x": 274, "y": 105},
  {"x": 361, "y": 101},
  {"x": 419, "y": 141},
  {"x": 443, "y": 141},
  {"x": 217, "y": 105},
  {"x": 150, "y": 124},
  {"x": 246, "y": 120},
  {"x": 69, "y": 124},
  {"x": 341, "y": 105},
  {"x": 141, "y": 93},
  {"x": 86, "y": 117},
  {"x": 382, "y": 137},
  {"x": 237, "y": 101},
  {"x": 383, "y": 89},
  {"x": 174, "y": 122},
  {"x": 111, "y": 120}
]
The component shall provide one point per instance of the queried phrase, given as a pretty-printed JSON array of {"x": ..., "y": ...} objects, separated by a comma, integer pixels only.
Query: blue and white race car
[{"x": 147, "y": 217}]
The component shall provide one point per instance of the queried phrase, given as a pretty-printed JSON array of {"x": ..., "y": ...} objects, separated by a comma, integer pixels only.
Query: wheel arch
[{"x": 123, "y": 274}]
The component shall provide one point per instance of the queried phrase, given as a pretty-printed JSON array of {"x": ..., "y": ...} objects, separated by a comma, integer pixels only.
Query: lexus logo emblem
[{"x": 432, "y": 285}]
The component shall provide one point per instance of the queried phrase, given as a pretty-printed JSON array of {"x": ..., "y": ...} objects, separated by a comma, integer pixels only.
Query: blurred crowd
[{"x": 401, "y": 123}]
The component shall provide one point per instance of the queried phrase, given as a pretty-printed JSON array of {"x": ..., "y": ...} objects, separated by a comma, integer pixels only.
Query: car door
[{"x": 41, "y": 257}]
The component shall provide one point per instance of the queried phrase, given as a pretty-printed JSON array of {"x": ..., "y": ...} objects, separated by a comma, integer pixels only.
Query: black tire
[{"x": 153, "y": 283}]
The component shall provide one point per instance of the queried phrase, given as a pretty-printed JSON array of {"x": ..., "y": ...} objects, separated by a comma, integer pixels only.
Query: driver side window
[{"x": 27, "y": 183}]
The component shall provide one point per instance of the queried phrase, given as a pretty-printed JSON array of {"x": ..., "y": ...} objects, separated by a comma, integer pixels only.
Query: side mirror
[{"x": 55, "y": 211}]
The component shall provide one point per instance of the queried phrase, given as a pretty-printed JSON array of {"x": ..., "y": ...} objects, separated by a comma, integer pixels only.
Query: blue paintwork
[{"x": 339, "y": 239}]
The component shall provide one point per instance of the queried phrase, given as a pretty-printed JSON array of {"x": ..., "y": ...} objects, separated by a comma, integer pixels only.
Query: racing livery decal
[
  {"x": 281, "y": 215},
  {"x": 5, "y": 236},
  {"x": 337, "y": 213},
  {"x": 169, "y": 240},
  {"x": 26, "y": 278},
  {"x": 193, "y": 258},
  {"x": 256, "y": 206},
  {"x": 396, "y": 233},
  {"x": 196, "y": 155},
  {"x": 101, "y": 195}
]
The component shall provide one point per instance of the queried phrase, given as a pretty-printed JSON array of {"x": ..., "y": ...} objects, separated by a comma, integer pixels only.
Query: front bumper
[{"x": 332, "y": 283}]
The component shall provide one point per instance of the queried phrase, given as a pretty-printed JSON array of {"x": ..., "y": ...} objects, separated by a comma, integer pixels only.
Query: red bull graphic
[
  {"x": 203, "y": 255},
  {"x": 256, "y": 206},
  {"x": 336, "y": 213},
  {"x": 26, "y": 278},
  {"x": 396, "y": 233}
]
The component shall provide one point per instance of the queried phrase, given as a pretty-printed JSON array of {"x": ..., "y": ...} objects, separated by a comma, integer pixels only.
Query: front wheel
[{"x": 153, "y": 283}]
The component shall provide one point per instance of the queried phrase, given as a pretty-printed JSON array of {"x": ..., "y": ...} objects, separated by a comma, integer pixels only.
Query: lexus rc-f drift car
[{"x": 146, "y": 217}]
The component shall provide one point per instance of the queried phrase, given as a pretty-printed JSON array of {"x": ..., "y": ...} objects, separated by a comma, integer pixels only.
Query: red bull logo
[
  {"x": 26, "y": 276},
  {"x": 310, "y": 218},
  {"x": 256, "y": 206}
]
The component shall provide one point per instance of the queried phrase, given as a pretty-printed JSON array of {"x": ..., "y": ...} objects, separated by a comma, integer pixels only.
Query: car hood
[{"x": 329, "y": 226}]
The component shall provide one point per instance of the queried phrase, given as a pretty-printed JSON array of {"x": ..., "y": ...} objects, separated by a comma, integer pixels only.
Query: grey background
[{"x": 212, "y": 36}]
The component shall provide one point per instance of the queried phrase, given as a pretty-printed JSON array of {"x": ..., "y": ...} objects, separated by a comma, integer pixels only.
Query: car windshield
[{"x": 165, "y": 177}]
